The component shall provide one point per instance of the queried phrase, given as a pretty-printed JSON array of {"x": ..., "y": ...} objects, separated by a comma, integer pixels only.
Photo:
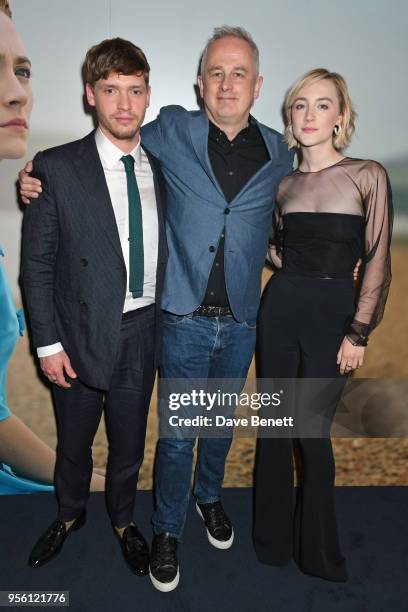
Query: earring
[{"x": 337, "y": 129}]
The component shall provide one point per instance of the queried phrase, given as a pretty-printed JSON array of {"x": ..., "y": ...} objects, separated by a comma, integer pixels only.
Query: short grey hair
[{"x": 237, "y": 32}]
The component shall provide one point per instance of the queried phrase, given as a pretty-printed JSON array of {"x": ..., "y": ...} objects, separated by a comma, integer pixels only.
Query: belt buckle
[{"x": 212, "y": 311}]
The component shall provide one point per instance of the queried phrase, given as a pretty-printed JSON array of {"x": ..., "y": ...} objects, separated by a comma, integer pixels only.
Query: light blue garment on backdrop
[{"x": 11, "y": 326}]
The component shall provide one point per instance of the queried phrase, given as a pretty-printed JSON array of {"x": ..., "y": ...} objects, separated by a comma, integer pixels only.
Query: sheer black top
[{"x": 324, "y": 221}]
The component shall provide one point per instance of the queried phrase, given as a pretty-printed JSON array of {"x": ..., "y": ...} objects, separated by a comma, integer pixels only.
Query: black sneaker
[
  {"x": 219, "y": 529},
  {"x": 164, "y": 568}
]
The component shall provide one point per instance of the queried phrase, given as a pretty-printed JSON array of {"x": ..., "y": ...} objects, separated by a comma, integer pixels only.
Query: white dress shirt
[{"x": 115, "y": 176}]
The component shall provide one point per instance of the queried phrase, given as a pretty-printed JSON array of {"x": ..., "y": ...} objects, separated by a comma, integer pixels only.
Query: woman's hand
[{"x": 350, "y": 357}]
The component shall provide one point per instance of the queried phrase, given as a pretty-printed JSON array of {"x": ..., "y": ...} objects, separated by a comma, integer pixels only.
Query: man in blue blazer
[{"x": 221, "y": 169}]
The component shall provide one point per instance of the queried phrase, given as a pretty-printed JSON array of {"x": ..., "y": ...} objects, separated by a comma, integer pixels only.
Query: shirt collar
[
  {"x": 110, "y": 154},
  {"x": 217, "y": 133}
]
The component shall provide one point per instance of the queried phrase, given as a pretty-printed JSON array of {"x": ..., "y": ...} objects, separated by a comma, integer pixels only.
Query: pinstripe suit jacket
[{"x": 73, "y": 272}]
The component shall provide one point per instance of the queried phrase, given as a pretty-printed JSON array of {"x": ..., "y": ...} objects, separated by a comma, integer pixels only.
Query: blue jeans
[{"x": 201, "y": 348}]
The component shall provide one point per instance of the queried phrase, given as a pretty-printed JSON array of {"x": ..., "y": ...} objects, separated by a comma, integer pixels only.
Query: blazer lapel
[
  {"x": 199, "y": 137},
  {"x": 267, "y": 141},
  {"x": 91, "y": 175},
  {"x": 159, "y": 191},
  {"x": 266, "y": 167},
  {"x": 155, "y": 166}
]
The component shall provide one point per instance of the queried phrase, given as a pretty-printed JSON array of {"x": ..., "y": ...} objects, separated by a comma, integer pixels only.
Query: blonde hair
[
  {"x": 341, "y": 140},
  {"x": 5, "y": 8}
]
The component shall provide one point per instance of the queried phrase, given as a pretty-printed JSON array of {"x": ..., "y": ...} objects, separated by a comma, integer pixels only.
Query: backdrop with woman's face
[
  {"x": 15, "y": 92},
  {"x": 363, "y": 40}
]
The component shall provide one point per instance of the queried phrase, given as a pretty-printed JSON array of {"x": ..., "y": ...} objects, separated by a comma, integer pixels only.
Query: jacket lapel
[
  {"x": 91, "y": 175},
  {"x": 159, "y": 191},
  {"x": 158, "y": 187},
  {"x": 199, "y": 137},
  {"x": 266, "y": 167},
  {"x": 199, "y": 127}
]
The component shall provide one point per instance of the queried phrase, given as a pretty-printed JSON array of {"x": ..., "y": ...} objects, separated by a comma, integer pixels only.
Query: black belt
[{"x": 212, "y": 311}]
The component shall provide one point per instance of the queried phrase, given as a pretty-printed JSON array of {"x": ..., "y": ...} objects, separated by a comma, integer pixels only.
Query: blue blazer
[{"x": 197, "y": 212}]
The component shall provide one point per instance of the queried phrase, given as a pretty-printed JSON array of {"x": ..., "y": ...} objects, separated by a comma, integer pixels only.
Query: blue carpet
[{"x": 373, "y": 528}]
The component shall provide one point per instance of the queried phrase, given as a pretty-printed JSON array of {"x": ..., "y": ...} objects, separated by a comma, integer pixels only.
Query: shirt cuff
[{"x": 51, "y": 349}]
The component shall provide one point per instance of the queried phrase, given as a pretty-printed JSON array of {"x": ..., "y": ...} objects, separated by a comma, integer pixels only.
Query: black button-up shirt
[{"x": 234, "y": 163}]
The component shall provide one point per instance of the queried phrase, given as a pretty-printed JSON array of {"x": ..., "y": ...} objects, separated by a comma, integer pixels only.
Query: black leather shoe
[
  {"x": 164, "y": 568},
  {"x": 135, "y": 550},
  {"x": 52, "y": 540},
  {"x": 219, "y": 529}
]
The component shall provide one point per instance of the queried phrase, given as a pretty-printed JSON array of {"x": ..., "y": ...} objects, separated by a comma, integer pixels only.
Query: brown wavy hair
[{"x": 114, "y": 55}]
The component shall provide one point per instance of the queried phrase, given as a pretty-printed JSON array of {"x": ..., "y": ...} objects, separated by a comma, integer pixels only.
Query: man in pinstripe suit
[{"x": 93, "y": 261}]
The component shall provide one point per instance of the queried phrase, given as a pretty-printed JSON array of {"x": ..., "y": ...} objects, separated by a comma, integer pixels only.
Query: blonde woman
[
  {"x": 330, "y": 212},
  {"x": 26, "y": 462}
]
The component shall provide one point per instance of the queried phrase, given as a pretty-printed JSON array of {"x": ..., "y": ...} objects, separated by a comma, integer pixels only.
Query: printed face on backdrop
[
  {"x": 315, "y": 112},
  {"x": 16, "y": 98},
  {"x": 229, "y": 84},
  {"x": 120, "y": 102}
]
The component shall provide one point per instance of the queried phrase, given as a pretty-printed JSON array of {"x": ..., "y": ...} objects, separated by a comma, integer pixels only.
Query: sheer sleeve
[
  {"x": 274, "y": 254},
  {"x": 377, "y": 202}
]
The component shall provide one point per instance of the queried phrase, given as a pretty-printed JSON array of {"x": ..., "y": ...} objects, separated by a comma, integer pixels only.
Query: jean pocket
[
  {"x": 249, "y": 325},
  {"x": 173, "y": 319}
]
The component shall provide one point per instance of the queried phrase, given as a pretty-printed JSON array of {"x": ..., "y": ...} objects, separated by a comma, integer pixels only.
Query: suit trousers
[
  {"x": 126, "y": 404},
  {"x": 301, "y": 324}
]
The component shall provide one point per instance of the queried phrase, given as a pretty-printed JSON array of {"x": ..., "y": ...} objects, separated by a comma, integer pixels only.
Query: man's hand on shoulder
[
  {"x": 53, "y": 367},
  {"x": 29, "y": 187}
]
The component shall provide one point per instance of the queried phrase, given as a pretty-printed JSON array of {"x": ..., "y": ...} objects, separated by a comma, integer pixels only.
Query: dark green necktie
[{"x": 136, "y": 257}]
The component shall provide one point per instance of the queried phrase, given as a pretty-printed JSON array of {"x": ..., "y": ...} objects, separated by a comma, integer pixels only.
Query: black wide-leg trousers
[
  {"x": 301, "y": 324},
  {"x": 126, "y": 404}
]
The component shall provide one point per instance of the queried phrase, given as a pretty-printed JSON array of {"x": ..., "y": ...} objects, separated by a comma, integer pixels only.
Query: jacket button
[
  {"x": 211, "y": 249},
  {"x": 84, "y": 262},
  {"x": 227, "y": 211},
  {"x": 82, "y": 303}
]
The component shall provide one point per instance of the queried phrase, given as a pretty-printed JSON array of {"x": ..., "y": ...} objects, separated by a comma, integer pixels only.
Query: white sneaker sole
[
  {"x": 222, "y": 545},
  {"x": 165, "y": 587}
]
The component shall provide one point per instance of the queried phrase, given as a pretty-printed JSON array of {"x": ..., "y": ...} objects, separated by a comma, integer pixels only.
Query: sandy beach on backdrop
[{"x": 358, "y": 461}]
